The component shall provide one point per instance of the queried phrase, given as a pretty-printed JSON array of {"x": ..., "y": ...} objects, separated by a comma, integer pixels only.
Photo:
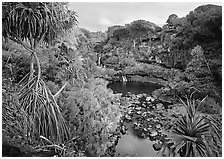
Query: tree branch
[{"x": 57, "y": 94}]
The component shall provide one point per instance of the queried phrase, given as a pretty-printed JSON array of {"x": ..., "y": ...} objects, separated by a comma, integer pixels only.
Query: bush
[
  {"x": 92, "y": 113},
  {"x": 194, "y": 134}
]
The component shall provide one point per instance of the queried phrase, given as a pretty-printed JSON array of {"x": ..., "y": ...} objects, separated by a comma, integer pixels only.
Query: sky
[{"x": 98, "y": 16}]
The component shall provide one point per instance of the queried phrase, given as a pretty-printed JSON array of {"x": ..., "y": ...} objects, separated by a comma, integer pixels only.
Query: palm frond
[
  {"x": 37, "y": 20},
  {"x": 195, "y": 133}
]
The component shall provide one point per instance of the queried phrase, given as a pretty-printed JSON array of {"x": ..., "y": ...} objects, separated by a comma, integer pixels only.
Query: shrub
[
  {"x": 92, "y": 113},
  {"x": 194, "y": 134}
]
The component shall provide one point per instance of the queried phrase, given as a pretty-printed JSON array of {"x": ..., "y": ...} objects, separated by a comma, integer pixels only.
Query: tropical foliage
[
  {"x": 55, "y": 97},
  {"x": 92, "y": 113},
  {"x": 36, "y": 21},
  {"x": 62, "y": 102},
  {"x": 199, "y": 27},
  {"x": 194, "y": 134}
]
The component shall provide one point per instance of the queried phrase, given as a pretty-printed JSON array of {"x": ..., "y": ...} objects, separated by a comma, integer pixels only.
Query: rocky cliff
[{"x": 143, "y": 50}]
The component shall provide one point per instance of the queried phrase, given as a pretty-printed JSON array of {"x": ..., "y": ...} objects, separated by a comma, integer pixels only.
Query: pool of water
[
  {"x": 133, "y": 87},
  {"x": 129, "y": 144}
]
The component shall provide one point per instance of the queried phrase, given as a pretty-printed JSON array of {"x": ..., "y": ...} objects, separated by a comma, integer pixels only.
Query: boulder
[
  {"x": 149, "y": 98},
  {"x": 10, "y": 151},
  {"x": 159, "y": 106},
  {"x": 157, "y": 146}
]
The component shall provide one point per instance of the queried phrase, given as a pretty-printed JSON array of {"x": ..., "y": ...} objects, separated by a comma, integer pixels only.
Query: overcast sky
[{"x": 98, "y": 16}]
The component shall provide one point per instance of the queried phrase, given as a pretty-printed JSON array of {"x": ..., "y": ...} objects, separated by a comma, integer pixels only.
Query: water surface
[
  {"x": 129, "y": 144},
  {"x": 133, "y": 87}
]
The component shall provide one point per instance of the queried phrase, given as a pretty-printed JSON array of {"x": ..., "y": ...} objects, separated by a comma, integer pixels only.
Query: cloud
[
  {"x": 99, "y": 15},
  {"x": 105, "y": 21}
]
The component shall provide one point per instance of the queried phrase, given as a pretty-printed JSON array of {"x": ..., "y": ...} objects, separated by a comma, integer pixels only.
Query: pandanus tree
[
  {"x": 194, "y": 134},
  {"x": 31, "y": 24}
]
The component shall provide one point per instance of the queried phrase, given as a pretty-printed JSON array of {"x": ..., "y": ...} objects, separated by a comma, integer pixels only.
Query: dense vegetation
[
  {"x": 55, "y": 99},
  {"x": 58, "y": 99},
  {"x": 129, "y": 51}
]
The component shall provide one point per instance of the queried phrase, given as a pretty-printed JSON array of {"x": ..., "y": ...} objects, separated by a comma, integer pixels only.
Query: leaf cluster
[
  {"x": 39, "y": 21},
  {"x": 194, "y": 134}
]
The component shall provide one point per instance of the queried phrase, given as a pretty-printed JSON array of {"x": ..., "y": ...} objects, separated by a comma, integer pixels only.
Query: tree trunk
[
  {"x": 31, "y": 67},
  {"x": 34, "y": 56}
]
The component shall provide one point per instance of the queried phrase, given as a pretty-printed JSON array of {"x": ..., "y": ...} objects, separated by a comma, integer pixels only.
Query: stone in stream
[
  {"x": 145, "y": 129},
  {"x": 157, "y": 146},
  {"x": 158, "y": 126},
  {"x": 128, "y": 117},
  {"x": 139, "y": 95},
  {"x": 154, "y": 133},
  {"x": 143, "y": 136},
  {"x": 130, "y": 112},
  {"x": 144, "y": 105},
  {"x": 138, "y": 108},
  {"x": 144, "y": 114},
  {"x": 159, "y": 106},
  {"x": 149, "y": 98},
  {"x": 135, "y": 123},
  {"x": 138, "y": 112},
  {"x": 123, "y": 130}
]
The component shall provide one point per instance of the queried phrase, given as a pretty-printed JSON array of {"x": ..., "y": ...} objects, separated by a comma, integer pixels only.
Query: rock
[
  {"x": 127, "y": 117},
  {"x": 130, "y": 112},
  {"x": 145, "y": 129},
  {"x": 143, "y": 105},
  {"x": 143, "y": 135},
  {"x": 123, "y": 130},
  {"x": 138, "y": 112},
  {"x": 159, "y": 106},
  {"x": 158, "y": 126},
  {"x": 157, "y": 146},
  {"x": 150, "y": 99},
  {"x": 144, "y": 114},
  {"x": 10, "y": 151},
  {"x": 136, "y": 124},
  {"x": 154, "y": 133},
  {"x": 139, "y": 95},
  {"x": 149, "y": 129},
  {"x": 144, "y": 94},
  {"x": 138, "y": 108},
  {"x": 152, "y": 138}
]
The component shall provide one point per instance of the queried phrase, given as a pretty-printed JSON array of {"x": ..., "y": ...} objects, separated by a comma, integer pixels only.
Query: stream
[{"x": 130, "y": 144}]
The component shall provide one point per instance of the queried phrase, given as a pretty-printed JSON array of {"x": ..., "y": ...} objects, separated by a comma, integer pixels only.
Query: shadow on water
[
  {"x": 129, "y": 144},
  {"x": 133, "y": 87}
]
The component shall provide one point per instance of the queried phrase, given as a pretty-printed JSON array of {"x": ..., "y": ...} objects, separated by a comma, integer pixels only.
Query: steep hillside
[{"x": 140, "y": 43}]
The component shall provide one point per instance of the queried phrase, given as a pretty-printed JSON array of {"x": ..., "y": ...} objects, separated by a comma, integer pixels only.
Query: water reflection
[
  {"x": 133, "y": 87},
  {"x": 132, "y": 146},
  {"x": 129, "y": 144}
]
